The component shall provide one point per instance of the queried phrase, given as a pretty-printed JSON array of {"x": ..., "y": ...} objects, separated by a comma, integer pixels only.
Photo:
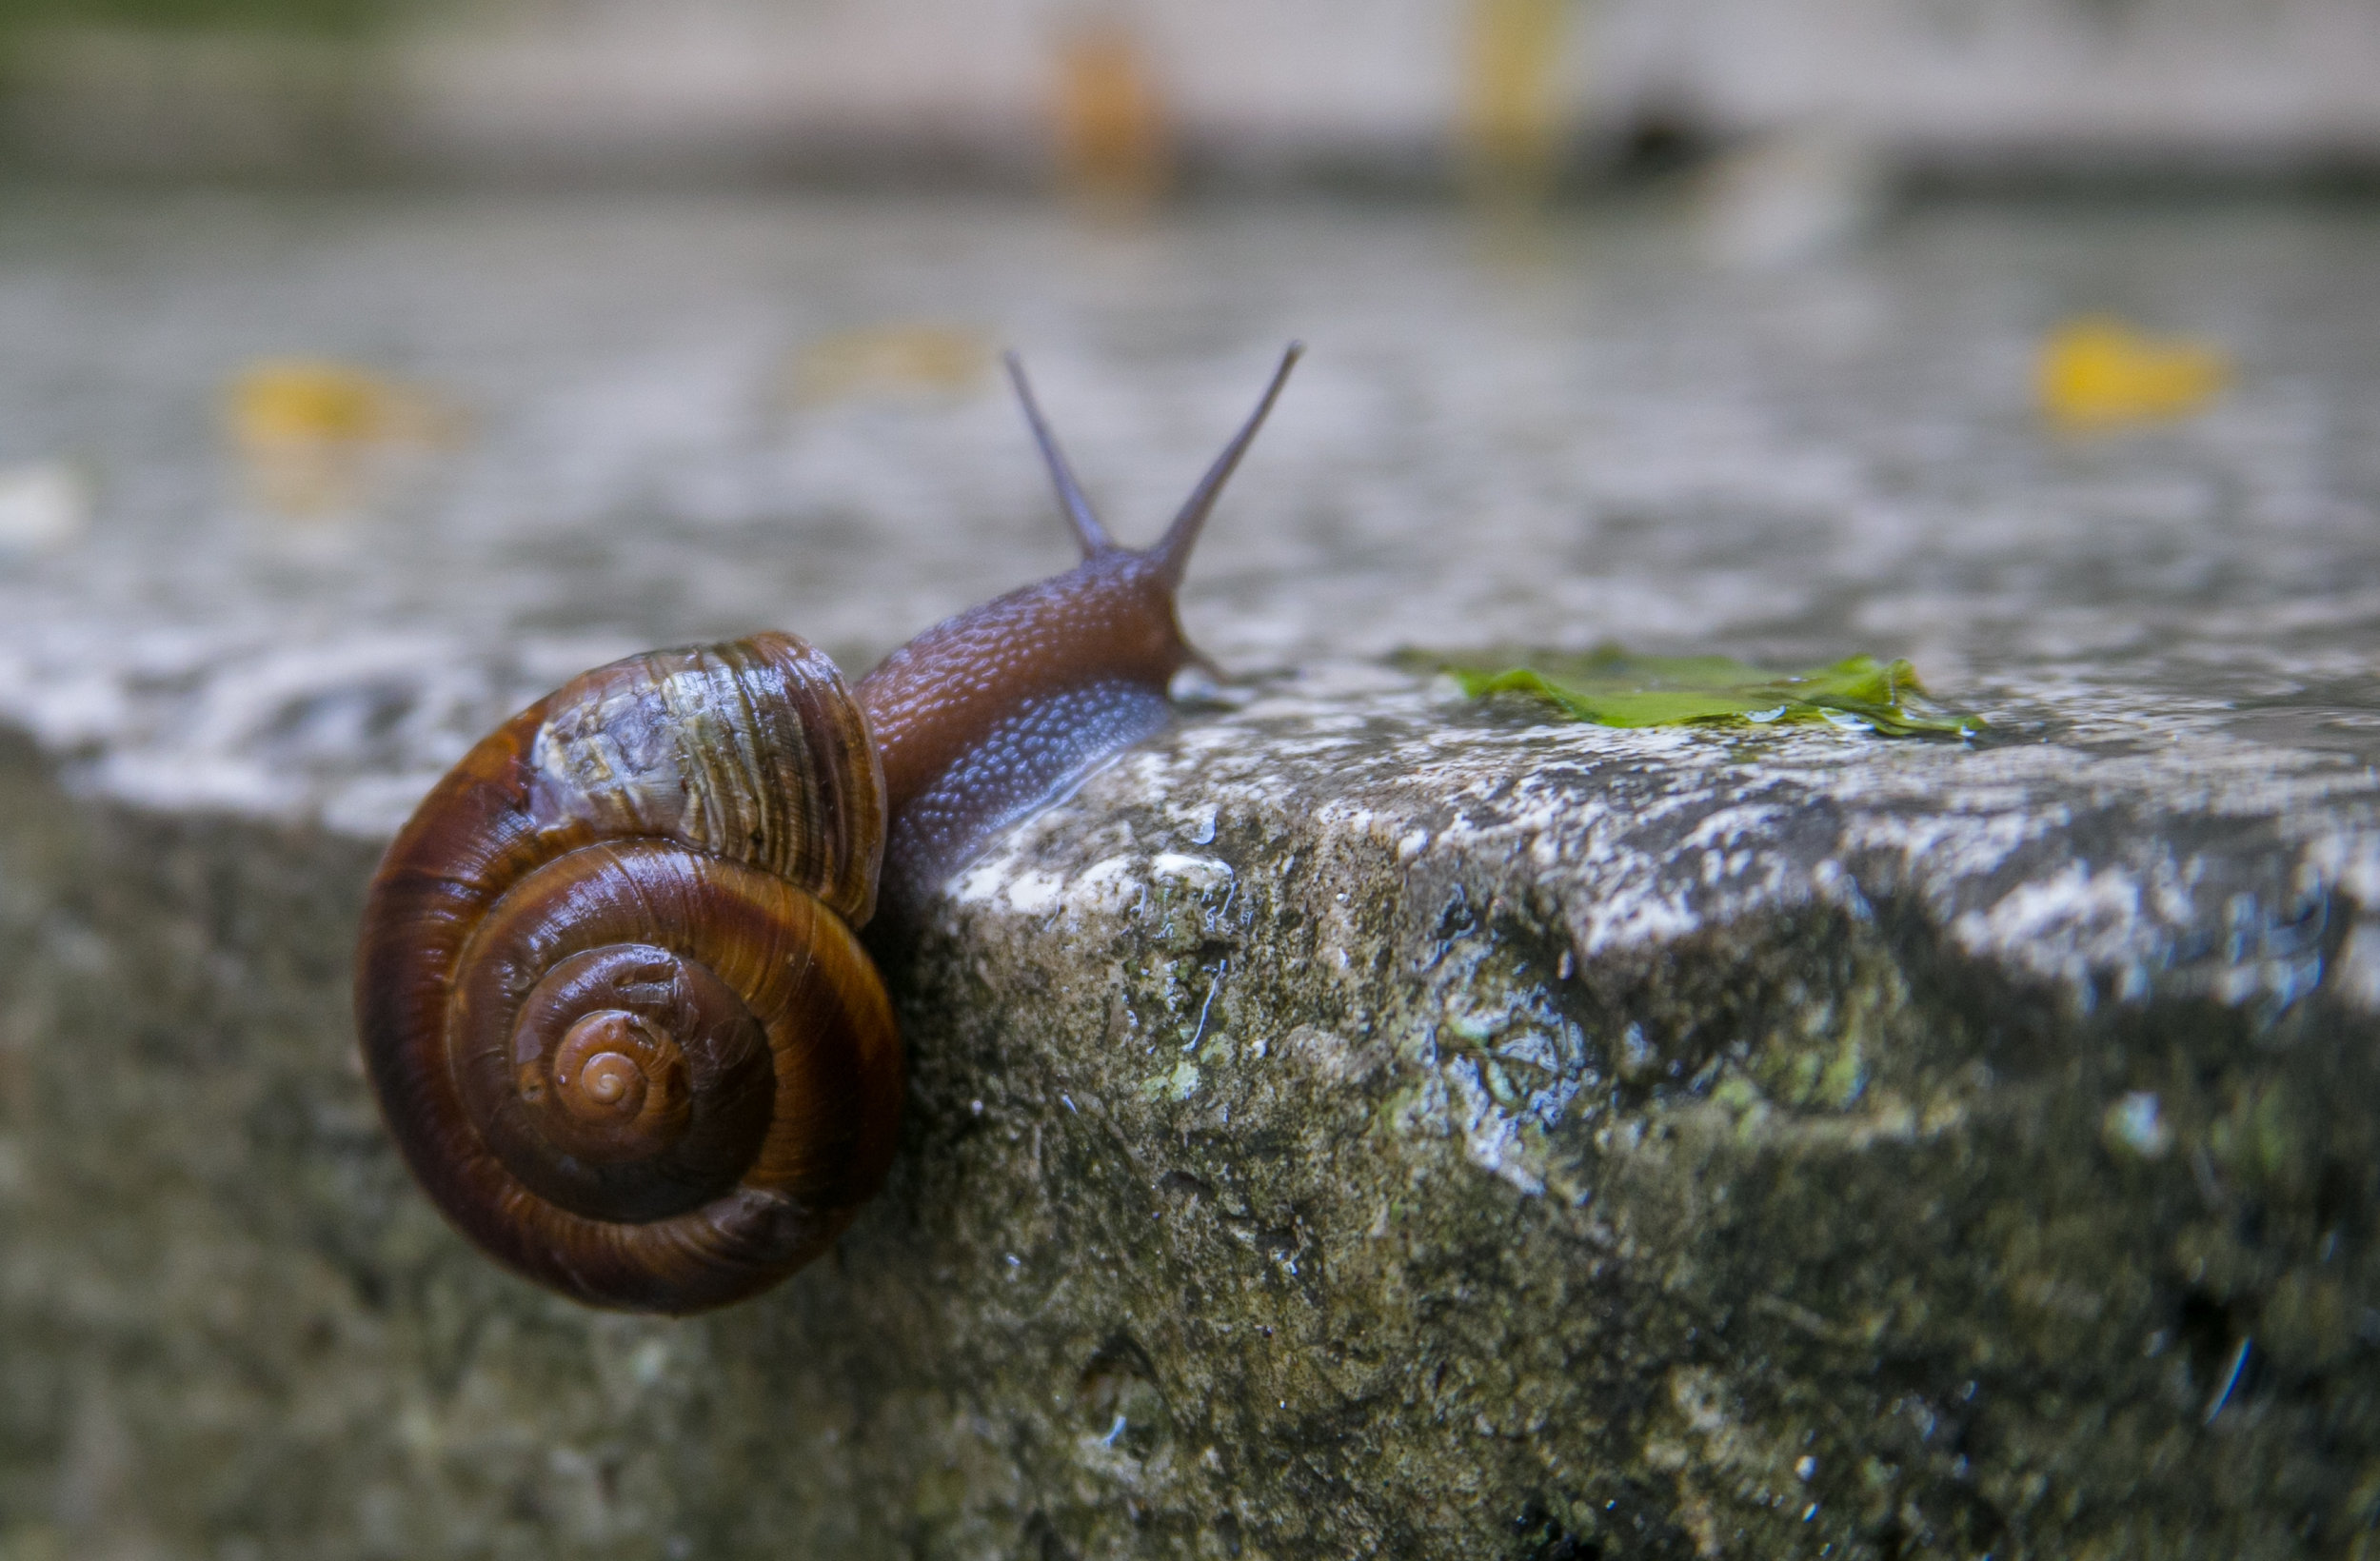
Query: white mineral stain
[
  {"x": 1033, "y": 893},
  {"x": 1202, "y": 872},
  {"x": 1106, "y": 885},
  {"x": 982, "y": 883}
]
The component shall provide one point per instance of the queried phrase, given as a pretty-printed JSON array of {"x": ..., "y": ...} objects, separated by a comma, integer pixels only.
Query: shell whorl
[{"x": 609, "y": 995}]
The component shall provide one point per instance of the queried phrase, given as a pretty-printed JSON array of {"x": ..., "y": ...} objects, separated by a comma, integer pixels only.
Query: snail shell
[{"x": 608, "y": 991}]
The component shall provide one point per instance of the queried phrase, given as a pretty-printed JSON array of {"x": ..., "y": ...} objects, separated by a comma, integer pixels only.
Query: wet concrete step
[{"x": 1359, "y": 1118}]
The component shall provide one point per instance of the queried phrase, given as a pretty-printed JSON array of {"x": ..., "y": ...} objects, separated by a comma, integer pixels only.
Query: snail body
[{"x": 609, "y": 992}]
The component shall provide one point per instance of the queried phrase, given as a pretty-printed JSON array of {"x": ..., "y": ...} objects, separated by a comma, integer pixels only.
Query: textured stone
[{"x": 1342, "y": 1125}]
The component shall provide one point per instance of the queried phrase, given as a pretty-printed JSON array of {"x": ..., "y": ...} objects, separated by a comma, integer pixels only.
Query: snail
[{"x": 609, "y": 988}]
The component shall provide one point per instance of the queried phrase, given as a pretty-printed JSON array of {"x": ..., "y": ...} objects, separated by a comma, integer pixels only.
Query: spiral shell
[{"x": 608, "y": 988}]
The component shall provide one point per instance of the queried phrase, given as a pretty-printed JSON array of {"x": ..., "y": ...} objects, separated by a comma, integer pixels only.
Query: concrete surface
[{"x": 1358, "y": 1121}]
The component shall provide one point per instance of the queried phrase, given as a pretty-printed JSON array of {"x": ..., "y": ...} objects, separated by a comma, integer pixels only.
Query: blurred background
[
  {"x": 1374, "y": 92},
  {"x": 373, "y": 365},
  {"x": 1399, "y": 94}
]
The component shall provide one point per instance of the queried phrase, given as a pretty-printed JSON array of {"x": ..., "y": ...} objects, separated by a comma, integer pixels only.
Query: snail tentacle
[{"x": 1088, "y": 530}]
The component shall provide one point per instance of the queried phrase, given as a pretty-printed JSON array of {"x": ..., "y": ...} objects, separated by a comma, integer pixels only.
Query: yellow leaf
[
  {"x": 2099, "y": 372},
  {"x": 278, "y": 403},
  {"x": 903, "y": 359}
]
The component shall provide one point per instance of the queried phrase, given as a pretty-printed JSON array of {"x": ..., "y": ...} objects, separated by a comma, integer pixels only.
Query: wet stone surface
[{"x": 1357, "y": 1122}]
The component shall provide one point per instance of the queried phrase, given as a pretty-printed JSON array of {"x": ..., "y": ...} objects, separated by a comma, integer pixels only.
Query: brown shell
[{"x": 607, "y": 990}]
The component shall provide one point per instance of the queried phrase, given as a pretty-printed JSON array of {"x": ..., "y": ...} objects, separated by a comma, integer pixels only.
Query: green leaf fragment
[{"x": 1611, "y": 687}]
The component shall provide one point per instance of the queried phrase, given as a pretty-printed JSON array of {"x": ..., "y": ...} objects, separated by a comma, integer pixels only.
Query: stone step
[{"x": 1358, "y": 1121}]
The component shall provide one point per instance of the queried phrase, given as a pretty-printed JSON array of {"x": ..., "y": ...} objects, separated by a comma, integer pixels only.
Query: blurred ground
[{"x": 673, "y": 416}]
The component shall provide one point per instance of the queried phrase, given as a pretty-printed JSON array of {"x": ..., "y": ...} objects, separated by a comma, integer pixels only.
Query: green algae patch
[{"x": 1614, "y": 687}]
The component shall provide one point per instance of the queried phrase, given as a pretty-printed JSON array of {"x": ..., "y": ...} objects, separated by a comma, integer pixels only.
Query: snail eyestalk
[
  {"x": 1088, "y": 528},
  {"x": 1172, "y": 552}
]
